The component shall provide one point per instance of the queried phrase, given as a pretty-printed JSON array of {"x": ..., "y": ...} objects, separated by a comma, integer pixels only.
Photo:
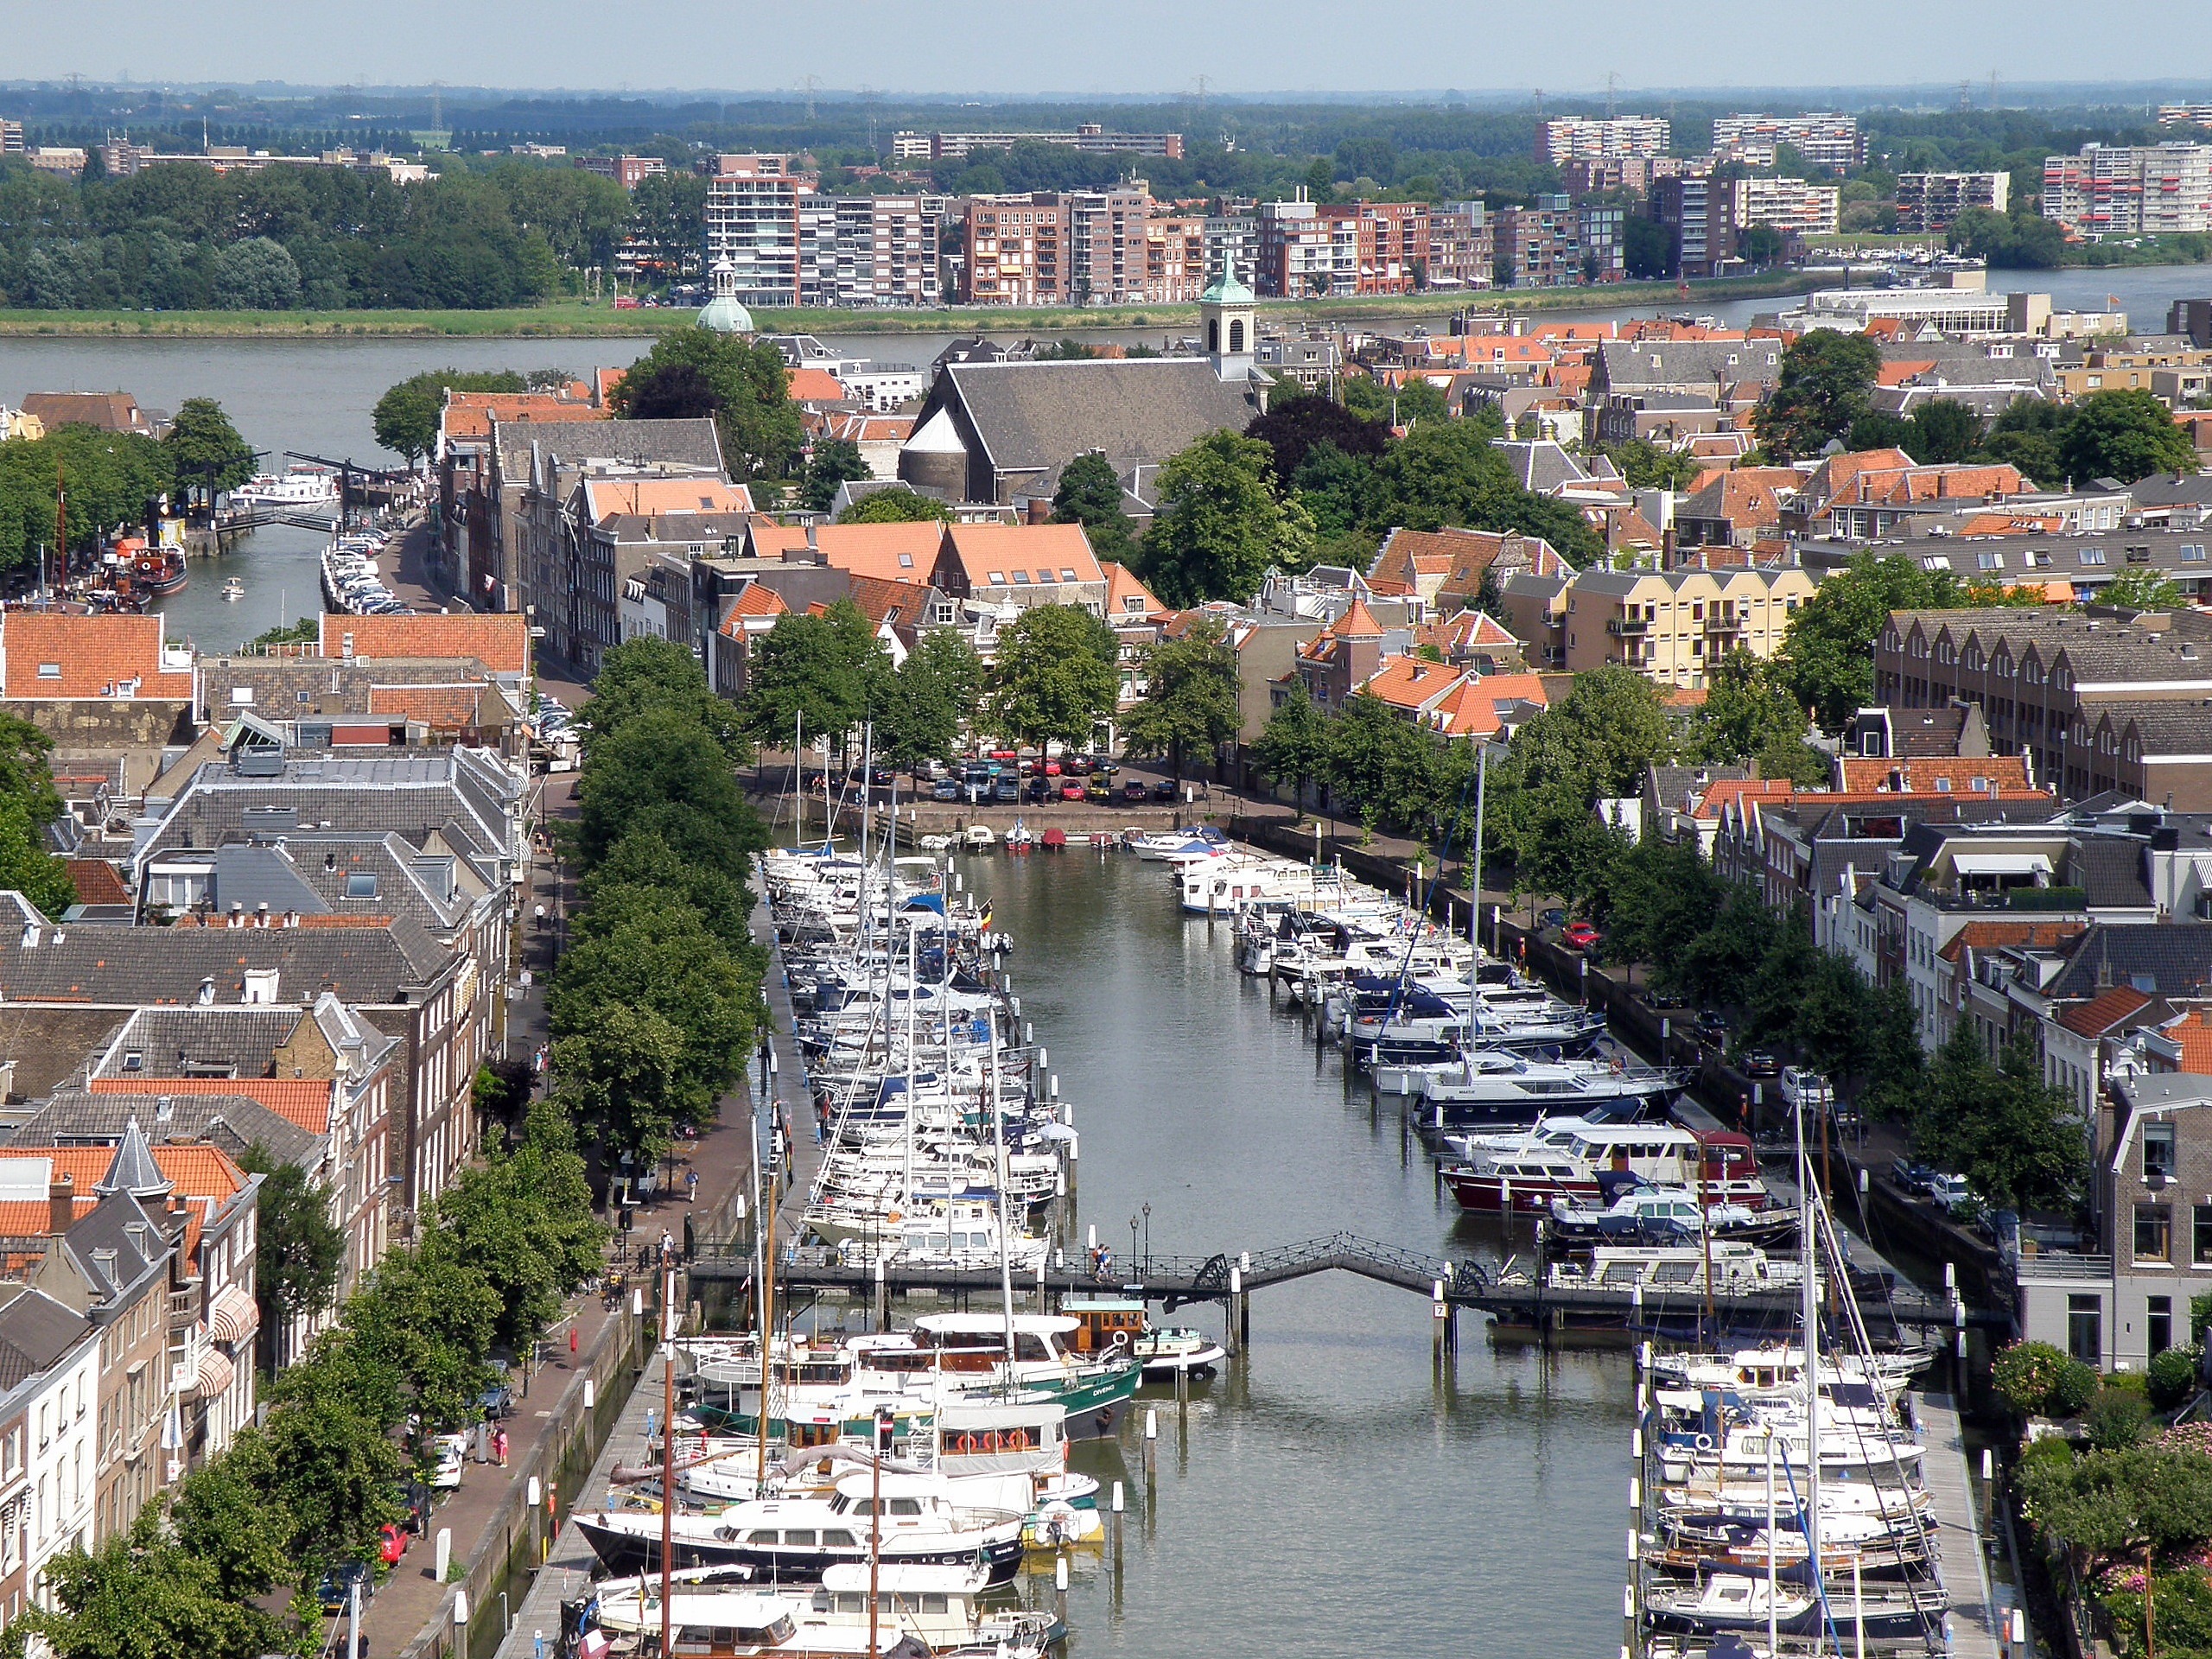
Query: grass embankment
[{"x": 579, "y": 318}]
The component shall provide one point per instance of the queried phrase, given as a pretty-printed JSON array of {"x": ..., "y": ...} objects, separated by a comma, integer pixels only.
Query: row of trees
[
  {"x": 327, "y": 238},
  {"x": 656, "y": 1000},
  {"x": 203, "y": 1575},
  {"x": 112, "y": 477}
]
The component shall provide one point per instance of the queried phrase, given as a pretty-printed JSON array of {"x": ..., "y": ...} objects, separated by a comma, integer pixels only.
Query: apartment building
[
  {"x": 1600, "y": 175},
  {"x": 628, "y": 171},
  {"x": 1787, "y": 204},
  {"x": 757, "y": 217},
  {"x": 48, "y": 1449},
  {"x": 1310, "y": 250},
  {"x": 1830, "y": 141},
  {"x": 1540, "y": 246},
  {"x": 1930, "y": 202},
  {"x": 1232, "y": 242},
  {"x": 11, "y": 137},
  {"x": 1090, "y": 138},
  {"x": 2130, "y": 190},
  {"x": 1585, "y": 137},
  {"x": 1462, "y": 246},
  {"x": 887, "y": 250},
  {"x": 1670, "y": 624},
  {"x": 1698, "y": 215},
  {"x": 1017, "y": 250}
]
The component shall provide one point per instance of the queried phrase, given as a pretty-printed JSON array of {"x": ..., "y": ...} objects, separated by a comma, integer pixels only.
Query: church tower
[{"x": 1225, "y": 310}]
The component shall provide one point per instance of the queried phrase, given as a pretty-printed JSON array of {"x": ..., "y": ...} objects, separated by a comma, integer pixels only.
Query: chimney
[
  {"x": 813, "y": 537},
  {"x": 61, "y": 1199}
]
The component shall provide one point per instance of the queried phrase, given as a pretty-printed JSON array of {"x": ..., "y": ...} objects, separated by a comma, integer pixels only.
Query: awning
[
  {"x": 233, "y": 1317},
  {"x": 2001, "y": 863},
  {"x": 215, "y": 1375}
]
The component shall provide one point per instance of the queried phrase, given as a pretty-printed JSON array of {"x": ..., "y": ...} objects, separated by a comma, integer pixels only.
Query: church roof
[
  {"x": 1228, "y": 289},
  {"x": 1033, "y": 418}
]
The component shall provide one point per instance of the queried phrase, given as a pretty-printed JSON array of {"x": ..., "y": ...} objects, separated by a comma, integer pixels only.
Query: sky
[{"x": 998, "y": 47}]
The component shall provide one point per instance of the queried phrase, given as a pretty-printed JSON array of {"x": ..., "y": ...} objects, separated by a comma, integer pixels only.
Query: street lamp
[
  {"x": 1133, "y": 1244},
  {"x": 1147, "y": 1240}
]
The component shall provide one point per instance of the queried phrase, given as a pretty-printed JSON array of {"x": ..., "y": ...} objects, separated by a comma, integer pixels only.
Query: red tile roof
[
  {"x": 1357, "y": 623},
  {"x": 470, "y": 414},
  {"x": 1995, "y": 936},
  {"x": 2103, "y": 1012},
  {"x": 89, "y": 657},
  {"x": 304, "y": 1101},
  {"x": 441, "y": 707},
  {"x": 816, "y": 386},
  {"x": 1049, "y": 549},
  {"x": 1937, "y": 774},
  {"x": 501, "y": 642},
  {"x": 97, "y": 882},
  {"x": 2193, "y": 1031},
  {"x": 901, "y": 552}
]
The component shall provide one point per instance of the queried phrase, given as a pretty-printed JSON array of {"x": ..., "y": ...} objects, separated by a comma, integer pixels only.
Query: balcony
[
  {"x": 1724, "y": 622},
  {"x": 1628, "y": 627}
]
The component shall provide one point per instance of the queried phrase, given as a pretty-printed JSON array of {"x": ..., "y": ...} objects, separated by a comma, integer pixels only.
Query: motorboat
[
  {"x": 1116, "y": 1326},
  {"x": 800, "y": 1538},
  {"x": 1495, "y": 1087},
  {"x": 1163, "y": 844},
  {"x": 297, "y": 489},
  {"x": 1640, "y": 1213},
  {"x": 1727, "y": 1603},
  {"x": 234, "y": 590},
  {"x": 1719, "y": 1165},
  {"x": 1721, "y": 1268}
]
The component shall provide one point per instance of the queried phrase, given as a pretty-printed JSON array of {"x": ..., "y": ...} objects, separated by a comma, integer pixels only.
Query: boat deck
[{"x": 1979, "y": 1608}]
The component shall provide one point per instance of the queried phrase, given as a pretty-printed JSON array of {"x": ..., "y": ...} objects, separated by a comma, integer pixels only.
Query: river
[
  {"x": 1330, "y": 1495},
  {"x": 313, "y": 396}
]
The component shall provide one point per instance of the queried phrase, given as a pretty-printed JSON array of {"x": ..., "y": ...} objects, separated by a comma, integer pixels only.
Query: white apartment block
[
  {"x": 1823, "y": 140},
  {"x": 1596, "y": 138},
  {"x": 2123, "y": 190},
  {"x": 1930, "y": 202},
  {"x": 887, "y": 249},
  {"x": 1788, "y": 205}
]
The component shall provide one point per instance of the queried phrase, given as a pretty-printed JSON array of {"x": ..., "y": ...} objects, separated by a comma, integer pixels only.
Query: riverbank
[{"x": 588, "y": 320}]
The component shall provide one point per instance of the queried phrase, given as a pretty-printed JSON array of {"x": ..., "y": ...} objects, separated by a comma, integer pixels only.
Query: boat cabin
[{"x": 1104, "y": 1326}]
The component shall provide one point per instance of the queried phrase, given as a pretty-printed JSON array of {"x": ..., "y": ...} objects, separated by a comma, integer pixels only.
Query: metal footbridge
[{"x": 1518, "y": 1301}]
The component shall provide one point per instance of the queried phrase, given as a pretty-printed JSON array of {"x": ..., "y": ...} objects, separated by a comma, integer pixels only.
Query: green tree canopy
[
  {"x": 1826, "y": 661},
  {"x": 1294, "y": 425},
  {"x": 206, "y": 451},
  {"x": 1294, "y": 747},
  {"x": 1823, "y": 389},
  {"x": 647, "y": 676},
  {"x": 1056, "y": 674},
  {"x": 896, "y": 506},
  {"x": 833, "y": 461},
  {"x": 664, "y": 760},
  {"x": 405, "y": 419},
  {"x": 1089, "y": 494},
  {"x": 747, "y": 384},
  {"x": 1189, "y": 705},
  {"x": 2142, "y": 589},
  {"x": 1218, "y": 527},
  {"x": 298, "y": 1248},
  {"x": 930, "y": 700},
  {"x": 2123, "y": 434}
]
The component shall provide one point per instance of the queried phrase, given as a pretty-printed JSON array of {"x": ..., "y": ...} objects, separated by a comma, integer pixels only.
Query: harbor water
[{"x": 1328, "y": 1493}]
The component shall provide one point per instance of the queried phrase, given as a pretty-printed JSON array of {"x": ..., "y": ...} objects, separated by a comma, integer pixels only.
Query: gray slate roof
[
  {"x": 113, "y": 963},
  {"x": 35, "y": 1333},
  {"x": 1627, "y": 365},
  {"x": 683, "y": 443},
  {"x": 1036, "y": 417},
  {"x": 232, "y": 1123},
  {"x": 2172, "y": 959}
]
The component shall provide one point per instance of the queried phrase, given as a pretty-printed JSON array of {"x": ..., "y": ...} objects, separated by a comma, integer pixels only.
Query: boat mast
[
  {"x": 798, "y": 772},
  {"x": 1006, "y": 1267},
  {"x": 867, "y": 799},
  {"x": 913, "y": 984},
  {"x": 1809, "y": 1257}
]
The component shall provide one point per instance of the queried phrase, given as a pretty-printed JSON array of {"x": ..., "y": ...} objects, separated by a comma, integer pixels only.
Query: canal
[{"x": 1329, "y": 1494}]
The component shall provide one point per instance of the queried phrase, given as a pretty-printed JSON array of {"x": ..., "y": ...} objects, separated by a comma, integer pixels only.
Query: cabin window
[
  {"x": 804, "y": 1537},
  {"x": 905, "y": 1506},
  {"x": 839, "y": 1540},
  {"x": 768, "y": 1537}
]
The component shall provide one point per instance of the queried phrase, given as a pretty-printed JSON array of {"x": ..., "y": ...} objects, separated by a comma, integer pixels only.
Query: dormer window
[
  {"x": 50, "y": 670},
  {"x": 361, "y": 884}
]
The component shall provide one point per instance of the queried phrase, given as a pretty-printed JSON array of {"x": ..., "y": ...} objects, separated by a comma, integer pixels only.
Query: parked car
[
  {"x": 1008, "y": 790},
  {"x": 1134, "y": 793},
  {"x": 1164, "y": 790},
  {"x": 1655, "y": 998},
  {"x": 1909, "y": 1175},
  {"x": 1097, "y": 792},
  {"x": 1951, "y": 1191},
  {"x": 1579, "y": 936},
  {"x": 945, "y": 789},
  {"x": 1075, "y": 765},
  {"x": 497, "y": 1401},
  {"x": 1711, "y": 1026},
  {"x": 1761, "y": 1063},
  {"x": 1038, "y": 790},
  {"x": 1552, "y": 918},
  {"x": 392, "y": 1543},
  {"x": 1071, "y": 790},
  {"x": 1052, "y": 768},
  {"x": 1802, "y": 1086},
  {"x": 449, "y": 1453},
  {"x": 336, "y": 1590}
]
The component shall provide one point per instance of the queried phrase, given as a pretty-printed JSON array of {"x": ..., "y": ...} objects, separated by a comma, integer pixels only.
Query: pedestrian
[
  {"x": 667, "y": 1247},
  {"x": 649, "y": 1425},
  {"x": 690, "y": 1186},
  {"x": 537, "y": 1645},
  {"x": 500, "y": 1446}
]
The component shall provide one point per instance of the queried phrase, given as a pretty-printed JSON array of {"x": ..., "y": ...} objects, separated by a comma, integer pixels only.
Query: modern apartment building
[
  {"x": 1594, "y": 175},
  {"x": 1099, "y": 242},
  {"x": 1586, "y": 137},
  {"x": 1604, "y": 230},
  {"x": 887, "y": 250},
  {"x": 1787, "y": 205},
  {"x": 1930, "y": 201},
  {"x": 1090, "y": 138},
  {"x": 1017, "y": 250},
  {"x": 1309, "y": 250},
  {"x": 1823, "y": 140},
  {"x": 1689, "y": 207},
  {"x": 1462, "y": 246},
  {"x": 2130, "y": 190},
  {"x": 1540, "y": 246},
  {"x": 1670, "y": 624},
  {"x": 1233, "y": 242},
  {"x": 753, "y": 221},
  {"x": 11, "y": 137},
  {"x": 628, "y": 171}
]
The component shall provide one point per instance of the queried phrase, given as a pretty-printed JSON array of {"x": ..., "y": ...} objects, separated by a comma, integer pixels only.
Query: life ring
[
  {"x": 1705, "y": 1442},
  {"x": 1121, "y": 1339}
]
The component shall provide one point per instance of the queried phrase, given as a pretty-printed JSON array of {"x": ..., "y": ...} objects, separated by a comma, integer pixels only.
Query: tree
[
  {"x": 523, "y": 1219},
  {"x": 2125, "y": 435},
  {"x": 1295, "y": 746},
  {"x": 896, "y": 506},
  {"x": 1942, "y": 430},
  {"x": 803, "y": 681},
  {"x": 2113, "y": 1505},
  {"x": 2017, "y": 1139},
  {"x": 1292, "y": 426},
  {"x": 834, "y": 461},
  {"x": 1451, "y": 472},
  {"x": 298, "y": 1248},
  {"x": 1760, "y": 245},
  {"x": 1218, "y": 528},
  {"x": 1646, "y": 466},
  {"x": 929, "y": 700},
  {"x": 660, "y": 761},
  {"x": 644, "y": 859},
  {"x": 1410, "y": 403},
  {"x": 1749, "y": 714},
  {"x": 674, "y": 391},
  {"x": 748, "y": 383},
  {"x": 405, "y": 419},
  {"x": 647, "y": 676},
  {"x": 334, "y": 1477},
  {"x": 2142, "y": 589},
  {"x": 1822, "y": 390},
  {"x": 1651, "y": 251},
  {"x": 1827, "y": 659},
  {"x": 256, "y": 275},
  {"x": 1056, "y": 676},
  {"x": 1089, "y": 494},
  {"x": 205, "y": 448},
  {"x": 621, "y": 1081},
  {"x": 1189, "y": 705}
]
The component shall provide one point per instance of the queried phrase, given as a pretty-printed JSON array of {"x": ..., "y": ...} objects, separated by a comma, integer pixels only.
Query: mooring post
[{"x": 1229, "y": 1311}]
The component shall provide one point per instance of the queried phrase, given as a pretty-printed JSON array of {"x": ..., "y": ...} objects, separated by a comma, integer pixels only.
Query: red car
[
  {"x": 1578, "y": 936},
  {"x": 392, "y": 1544},
  {"x": 1071, "y": 792}
]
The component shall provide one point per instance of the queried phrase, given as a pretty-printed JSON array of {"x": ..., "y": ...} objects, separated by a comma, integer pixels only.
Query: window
[
  {"x": 2093, "y": 555},
  {"x": 2160, "y": 1323},
  {"x": 2202, "y": 1252},
  {"x": 2085, "y": 1328},
  {"x": 998, "y": 578},
  {"x": 2153, "y": 1232},
  {"x": 2192, "y": 552},
  {"x": 50, "y": 670},
  {"x": 2158, "y": 1151},
  {"x": 1066, "y": 574},
  {"x": 1021, "y": 578},
  {"x": 361, "y": 884}
]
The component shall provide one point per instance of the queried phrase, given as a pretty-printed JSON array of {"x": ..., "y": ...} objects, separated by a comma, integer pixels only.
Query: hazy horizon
[{"x": 1137, "y": 48}]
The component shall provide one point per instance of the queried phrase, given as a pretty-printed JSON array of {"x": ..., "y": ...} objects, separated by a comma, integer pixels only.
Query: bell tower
[{"x": 1226, "y": 313}]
